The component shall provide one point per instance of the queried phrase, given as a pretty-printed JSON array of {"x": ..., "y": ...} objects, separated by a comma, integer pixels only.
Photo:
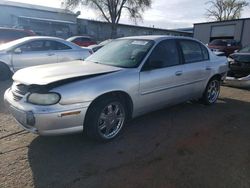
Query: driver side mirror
[{"x": 17, "y": 51}]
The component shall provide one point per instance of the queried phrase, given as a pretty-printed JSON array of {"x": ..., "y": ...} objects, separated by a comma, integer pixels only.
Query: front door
[
  {"x": 161, "y": 78},
  {"x": 33, "y": 53}
]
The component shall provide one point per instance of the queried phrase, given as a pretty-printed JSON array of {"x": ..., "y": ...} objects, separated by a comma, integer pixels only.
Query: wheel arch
[
  {"x": 10, "y": 73},
  {"x": 122, "y": 95}
]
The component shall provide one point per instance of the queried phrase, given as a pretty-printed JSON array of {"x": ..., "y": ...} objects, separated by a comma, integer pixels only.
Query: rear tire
[
  {"x": 212, "y": 92},
  {"x": 105, "y": 119},
  {"x": 5, "y": 72}
]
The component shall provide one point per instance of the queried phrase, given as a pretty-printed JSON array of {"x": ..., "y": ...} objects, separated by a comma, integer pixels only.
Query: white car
[{"x": 37, "y": 50}]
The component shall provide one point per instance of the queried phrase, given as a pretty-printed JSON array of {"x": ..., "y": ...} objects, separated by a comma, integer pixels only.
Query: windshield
[
  {"x": 11, "y": 44},
  {"x": 245, "y": 50},
  {"x": 127, "y": 53}
]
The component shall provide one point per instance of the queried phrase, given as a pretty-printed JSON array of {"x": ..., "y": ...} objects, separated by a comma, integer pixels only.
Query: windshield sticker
[{"x": 140, "y": 42}]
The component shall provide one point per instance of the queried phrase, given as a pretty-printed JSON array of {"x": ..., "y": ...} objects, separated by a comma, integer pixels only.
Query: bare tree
[
  {"x": 221, "y": 10},
  {"x": 111, "y": 10}
]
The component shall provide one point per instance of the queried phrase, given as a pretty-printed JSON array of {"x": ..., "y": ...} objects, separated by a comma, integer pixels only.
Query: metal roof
[
  {"x": 225, "y": 21},
  {"x": 36, "y": 7},
  {"x": 47, "y": 20}
]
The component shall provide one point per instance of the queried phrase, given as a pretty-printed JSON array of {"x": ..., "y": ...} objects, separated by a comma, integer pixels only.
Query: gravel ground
[{"x": 186, "y": 146}]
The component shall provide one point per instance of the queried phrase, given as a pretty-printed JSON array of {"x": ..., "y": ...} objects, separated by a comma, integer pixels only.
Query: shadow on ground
[{"x": 187, "y": 146}]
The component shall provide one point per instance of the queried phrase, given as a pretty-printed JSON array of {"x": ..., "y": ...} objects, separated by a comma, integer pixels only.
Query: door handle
[
  {"x": 178, "y": 73},
  {"x": 51, "y": 54},
  {"x": 208, "y": 68}
]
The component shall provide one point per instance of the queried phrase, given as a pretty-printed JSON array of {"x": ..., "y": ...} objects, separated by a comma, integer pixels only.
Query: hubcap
[
  {"x": 213, "y": 91},
  {"x": 111, "y": 120}
]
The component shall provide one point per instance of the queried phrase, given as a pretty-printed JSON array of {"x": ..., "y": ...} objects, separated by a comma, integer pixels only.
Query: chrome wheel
[
  {"x": 213, "y": 91},
  {"x": 111, "y": 120}
]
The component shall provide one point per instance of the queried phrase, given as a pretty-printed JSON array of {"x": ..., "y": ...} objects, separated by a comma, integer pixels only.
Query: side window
[
  {"x": 32, "y": 46},
  {"x": 191, "y": 50},
  {"x": 205, "y": 52},
  {"x": 60, "y": 46},
  {"x": 165, "y": 54}
]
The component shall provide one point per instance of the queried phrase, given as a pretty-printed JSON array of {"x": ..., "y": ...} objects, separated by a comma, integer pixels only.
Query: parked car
[
  {"x": 84, "y": 41},
  {"x": 126, "y": 78},
  {"x": 100, "y": 45},
  {"x": 31, "y": 51},
  {"x": 10, "y": 34},
  {"x": 239, "y": 64},
  {"x": 228, "y": 46}
]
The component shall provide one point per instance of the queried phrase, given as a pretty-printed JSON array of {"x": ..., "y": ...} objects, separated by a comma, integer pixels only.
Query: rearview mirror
[{"x": 17, "y": 51}]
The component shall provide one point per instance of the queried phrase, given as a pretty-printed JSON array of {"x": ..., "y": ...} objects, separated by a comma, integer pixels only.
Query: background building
[
  {"x": 62, "y": 23},
  {"x": 234, "y": 29},
  {"x": 102, "y": 30},
  {"x": 40, "y": 19}
]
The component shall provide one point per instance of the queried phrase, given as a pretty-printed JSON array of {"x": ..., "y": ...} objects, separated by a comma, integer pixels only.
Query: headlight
[{"x": 44, "y": 99}]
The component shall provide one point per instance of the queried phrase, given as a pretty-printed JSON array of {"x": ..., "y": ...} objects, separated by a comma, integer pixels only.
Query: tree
[
  {"x": 111, "y": 10},
  {"x": 221, "y": 10}
]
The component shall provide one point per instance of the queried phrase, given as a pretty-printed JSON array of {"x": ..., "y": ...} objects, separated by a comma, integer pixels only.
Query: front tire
[
  {"x": 212, "y": 91},
  {"x": 105, "y": 119},
  {"x": 5, "y": 72}
]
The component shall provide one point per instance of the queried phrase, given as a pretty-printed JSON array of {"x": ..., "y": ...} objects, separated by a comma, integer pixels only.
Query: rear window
[{"x": 218, "y": 43}]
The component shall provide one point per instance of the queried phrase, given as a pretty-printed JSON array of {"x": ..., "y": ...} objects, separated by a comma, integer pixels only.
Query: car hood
[{"x": 47, "y": 74}]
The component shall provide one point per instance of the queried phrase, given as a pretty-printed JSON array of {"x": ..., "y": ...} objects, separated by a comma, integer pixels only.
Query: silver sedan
[
  {"x": 31, "y": 51},
  {"x": 126, "y": 78}
]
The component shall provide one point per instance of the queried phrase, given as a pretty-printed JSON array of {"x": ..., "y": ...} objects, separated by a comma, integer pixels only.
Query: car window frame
[
  {"x": 200, "y": 45},
  {"x": 144, "y": 66}
]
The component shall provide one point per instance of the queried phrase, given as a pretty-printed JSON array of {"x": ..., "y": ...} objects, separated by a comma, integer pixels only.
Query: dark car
[
  {"x": 10, "y": 34},
  {"x": 239, "y": 63},
  {"x": 83, "y": 41},
  {"x": 228, "y": 46}
]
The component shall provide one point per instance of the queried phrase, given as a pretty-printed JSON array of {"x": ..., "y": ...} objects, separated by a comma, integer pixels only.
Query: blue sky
[{"x": 162, "y": 14}]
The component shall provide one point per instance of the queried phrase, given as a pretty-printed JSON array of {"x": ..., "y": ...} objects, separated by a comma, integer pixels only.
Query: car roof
[
  {"x": 82, "y": 36},
  {"x": 42, "y": 37},
  {"x": 157, "y": 37}
]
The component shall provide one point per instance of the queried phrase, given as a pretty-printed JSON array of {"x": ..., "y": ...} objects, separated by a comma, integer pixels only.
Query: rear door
[
  {"x": 33, "y": 53},
  {"x": 161, "y": 78},
  {"x": 197, "y": 67}
]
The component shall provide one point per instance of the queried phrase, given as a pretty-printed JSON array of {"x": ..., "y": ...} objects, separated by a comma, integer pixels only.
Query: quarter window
[{"x": 191, "y": 51}]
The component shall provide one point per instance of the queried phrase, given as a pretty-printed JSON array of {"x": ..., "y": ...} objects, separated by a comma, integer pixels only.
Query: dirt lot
[{"x": 186, "y": 146}]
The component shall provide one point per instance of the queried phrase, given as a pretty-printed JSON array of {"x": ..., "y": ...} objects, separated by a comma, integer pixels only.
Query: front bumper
[
  {"x": 47, "y": 120},
  {"x": 243, "y": 82}
]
